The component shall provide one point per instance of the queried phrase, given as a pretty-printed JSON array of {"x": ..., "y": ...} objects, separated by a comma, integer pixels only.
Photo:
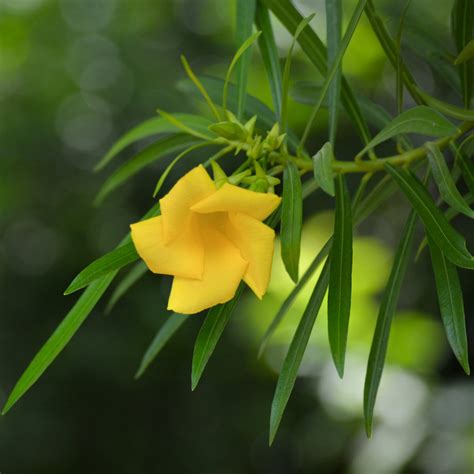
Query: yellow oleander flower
[{"x": 209, "y": 239}]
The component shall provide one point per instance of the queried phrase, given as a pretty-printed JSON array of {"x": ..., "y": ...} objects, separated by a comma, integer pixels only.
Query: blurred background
[{"x": 76, "y": 74}]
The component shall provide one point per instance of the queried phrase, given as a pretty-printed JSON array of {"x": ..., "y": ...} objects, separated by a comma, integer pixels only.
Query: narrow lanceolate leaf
[
  {"x": 135, "y": 273},
  {"x": 164, "y": 334},
  {"x": 243, "y": 29},
  {"x": 150, "y": 127},
  {"x": 450, "y": 303},
  {"x": 448, "y": 109},
  {"x": 462, "y": 18},
  {"x": 269, "y": 52},
  {"x": 209, "y": 335},
  {"x": 59, "y": 339},
  {"x": 449, "y": 240},
  {"x": 334, "y": 28},
  {"x": 314, "y": 48},
  {"x": 289, "y": 300},
  {"x": 109, "y": 262},
  {"x": 421, "y": 120},
  {"x": 399, "y": 65},
  {"x": 466, "y": 54},
  {"x": 143, "y": 158},
  {"x": 291, "y": 220},
  {"x": 292, "y": 362},
  {"x": 340, "y": 281},
  {"x": 448, "y": 190},
  {"x": 467, "y": 169},
  {"x": 387, "y": 309},
  {"x": 322, "y": 167}
]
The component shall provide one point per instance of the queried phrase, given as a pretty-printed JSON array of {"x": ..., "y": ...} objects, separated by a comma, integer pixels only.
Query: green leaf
[
  {"x": 164, "y": 334},
  {"x": 333, "y": 35},
  {"x": 243, "y": 29},
  {"x": 59, "y": 339},
  {"x": 450, "y": 303},
  {"x": 291, "y": 220},
  {"x": 466, "y": 54},
  {"x": 467, "y": 170},
  {"x": 462, "y": 20},
  {"x": 421, "y": 120},
  {"x": 173, "y": 119},
  {"x": 286, "y": 305},
  {"x": 135, "y": 273},
  {"x": 336, "y": 63},
  {"x": 340, "y": 281},
  {"x": 209, "y": 335},
  {"x": 289, "y": 371},
  {"x": 444, "y": 181},
  {"x": 387, "y": 309},
  {"x": 265, "y": 117},
  {"x": 114, "y": 260},
  {"x": 142, "y": 159},
  {"x": 447, "y": 109},
  {"x": 153, "y": 126},
  {"x": 390, "y": 49},
  {"x": 399, "y": 64},
  {"x": 450, "y": 241},
  {"x": 286, "y": 71},
  {"x": 269, "y": 52},
  {"x": 322, "y": 168},
  {"x": 243, "y": 48},
  {"x": 315, "y": 50}
]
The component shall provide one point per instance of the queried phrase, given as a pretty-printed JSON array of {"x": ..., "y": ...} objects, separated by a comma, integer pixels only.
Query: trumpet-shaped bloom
[{"x": 209, "y": 239}]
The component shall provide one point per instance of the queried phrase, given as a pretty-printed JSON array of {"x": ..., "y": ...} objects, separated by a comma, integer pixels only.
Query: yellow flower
[{"x": 209, "y": 239}]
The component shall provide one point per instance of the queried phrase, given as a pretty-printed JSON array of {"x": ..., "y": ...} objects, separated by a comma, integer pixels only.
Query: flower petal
[
  {"x": 183, "y": 257},
  {"x": 223, "y": 269},
  {"x": 190, "y": 189},
  {"x": 233, "y": 198},
  {"x": 255, "y": 242}
]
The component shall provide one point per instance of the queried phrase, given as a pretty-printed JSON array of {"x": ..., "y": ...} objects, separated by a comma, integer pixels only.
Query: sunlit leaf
[
  {"x": 292, "y": 362},
  {"x": 340, "y": 281},
  {"x": 450, "y": 303},
  {"x": 444, "y": 181},
  {"x": 449, "y": 240},
  {"x": 387, "y": 309},
  {"x": 291, "y": 220},
  {"x": 162, "y": 337},
  {"x": 322, "y": 167},
  {"x": 420, "y": 120}
]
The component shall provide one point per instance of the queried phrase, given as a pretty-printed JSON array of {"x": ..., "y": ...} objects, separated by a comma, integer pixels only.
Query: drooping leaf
[
  {"x": 269, "y": 52},
  {"x": 243, "y": 29},
  {"x": 462, "y": 23},
  {"x": 332, "y": 71},
  {"x": 292, "y": 362},
  {"x": 450, "y": 303},
  {"x": 109, "y": 262},
  {"x": 387, "y": 309},
  {"x": 448, "y": 190},
  {"x": 340, "y": 280},
  {"x": 59, "y": 339},
  {"x": 314, "y": 48},
  {"x": 449, "y": 240},
  {"x": 333, "y": 35},
  {"x": 135, "y": 273},
  {"x": 447, "y": 109},
  {"x": 164, "y": 334},
  {"x": 420, "y": 120},
  {"x": 161, "y": 148},
  {"x": 150, "y": 127},
  {"x": 209, "y": 335},
  {"x": 322, "y": 168},
  {"x": 289, "y": 300},
  {"x": 291, "y": 220}
]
